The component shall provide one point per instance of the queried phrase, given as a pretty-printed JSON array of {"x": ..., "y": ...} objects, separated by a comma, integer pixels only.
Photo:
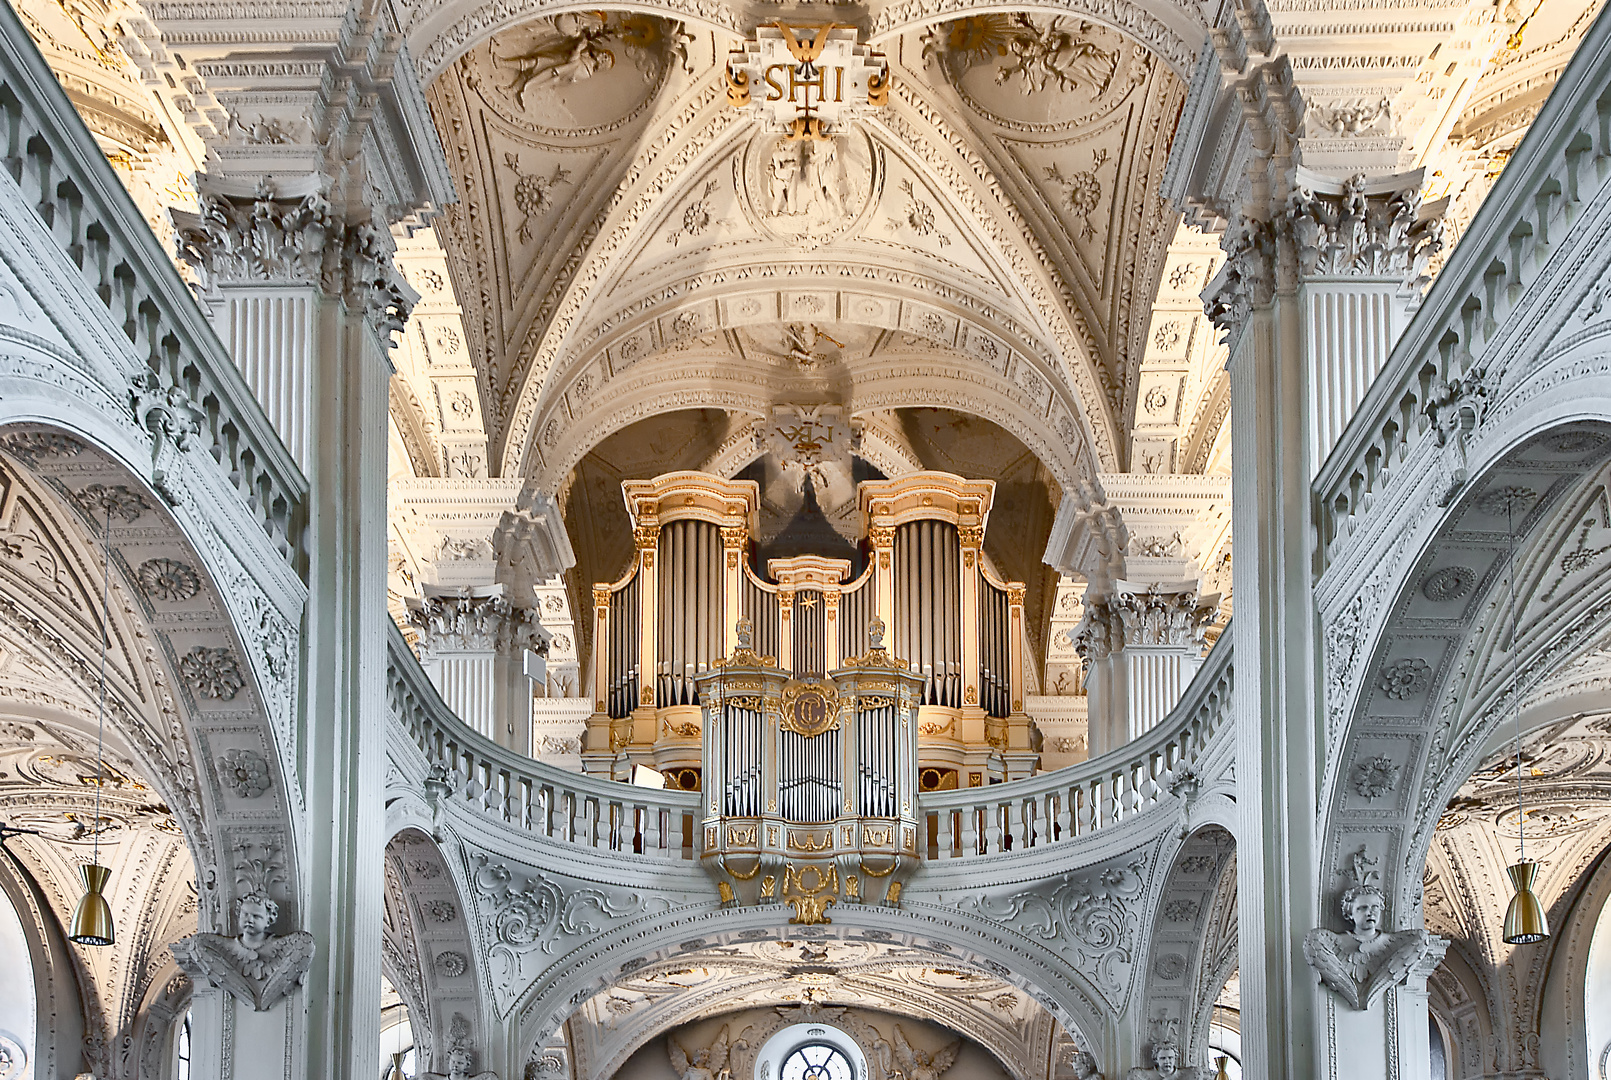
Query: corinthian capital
[
  {"x": 274, "y": 239},
  {"x": 466, "y": 622},
  {"x": 1152, "y": 617},
  {"x": 1362, "y": 228}
]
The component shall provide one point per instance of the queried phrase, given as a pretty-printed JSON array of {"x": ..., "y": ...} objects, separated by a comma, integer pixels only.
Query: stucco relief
[
  {"x": 255, "y": 964},
  {"x": 1094, "y": 914},
  {"x": 526, "y": 915}
]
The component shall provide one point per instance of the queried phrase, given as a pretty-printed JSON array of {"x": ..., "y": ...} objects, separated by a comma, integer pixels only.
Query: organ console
[{"x": 809, "y": 706}]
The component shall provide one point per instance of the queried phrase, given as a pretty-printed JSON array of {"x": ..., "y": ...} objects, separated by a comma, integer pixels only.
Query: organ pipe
[{"x": 665, "y": 626}]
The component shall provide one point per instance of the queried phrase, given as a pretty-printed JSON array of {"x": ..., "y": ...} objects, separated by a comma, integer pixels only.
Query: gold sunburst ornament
[
  {"x": 1525, "y": 922},
  {"x": 92, "y": 919}
]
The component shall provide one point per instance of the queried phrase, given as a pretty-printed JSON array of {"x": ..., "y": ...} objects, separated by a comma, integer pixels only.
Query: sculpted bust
[
  {"x": 1084, "y": 1066},
  {"x": 460, "y": 1060},
  {"x": 1165, "y": 1065},
  {"x": 1361, "y": 965},
  {"x": 254, "y": 965}
]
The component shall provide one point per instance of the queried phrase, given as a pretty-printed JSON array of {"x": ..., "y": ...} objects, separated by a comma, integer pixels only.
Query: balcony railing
[
  {"x": 1437, "y": 369},
  {"x": 563, "y": 806},
  {"x": 609, "y": 816},
  {"x": 1084, "y": 799},
  {"x": 62, "y": 173}
]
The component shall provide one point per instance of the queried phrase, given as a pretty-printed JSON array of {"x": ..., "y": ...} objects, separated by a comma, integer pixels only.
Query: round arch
[
  {"x": 201, "y": 698},
  {"x": 661, "y": 385},
  {"x": 1444, "y": 673},
  {"x": 752, "y": 982},
  {"x": 963, "y": 940},
  {"x": 1192, "y": 949},
  {"x": 427, "y": 948}
]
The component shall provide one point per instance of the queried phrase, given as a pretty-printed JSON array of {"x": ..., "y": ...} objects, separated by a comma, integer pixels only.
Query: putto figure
[
  {"x": 1361, "y": 965},
  {"x": 707, "y": 1064},
  {"x": 1166, "y": 1065},
  {"x": 254, "y": 965}
]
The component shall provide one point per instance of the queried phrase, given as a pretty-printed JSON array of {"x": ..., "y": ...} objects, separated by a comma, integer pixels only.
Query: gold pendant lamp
[
  {"x": 92, "y": 920},
  {"x": 1525, "y": 923}
]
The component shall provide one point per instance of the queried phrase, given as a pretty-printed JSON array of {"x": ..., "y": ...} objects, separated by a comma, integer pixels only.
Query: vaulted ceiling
[{"x": 625, "y": 243}]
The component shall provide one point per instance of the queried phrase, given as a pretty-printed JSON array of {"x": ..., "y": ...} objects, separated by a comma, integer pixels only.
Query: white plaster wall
[
  {"x": 1597, "y": 998},
  {"x": 17, "y": 1009}
]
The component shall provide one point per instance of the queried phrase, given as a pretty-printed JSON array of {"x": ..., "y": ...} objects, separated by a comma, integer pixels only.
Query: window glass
[
  {"x": 181, "y": 1055},
  {"x": 817, "y": 1061}
]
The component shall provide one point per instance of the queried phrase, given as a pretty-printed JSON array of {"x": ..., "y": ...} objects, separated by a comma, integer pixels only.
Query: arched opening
[{"x": 18, "y": 1008}]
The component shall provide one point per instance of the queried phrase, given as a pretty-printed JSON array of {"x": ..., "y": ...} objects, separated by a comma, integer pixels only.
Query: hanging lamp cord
[
  {"x": 106, "y": 641},
  {"x": 1515, "y": 675}
]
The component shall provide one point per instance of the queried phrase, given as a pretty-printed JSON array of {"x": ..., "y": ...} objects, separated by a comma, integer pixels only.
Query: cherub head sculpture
[
  {"x": 1165, "y": 1057},
  {"x": 1084, "y": 1065},
  {"x": 254, "y": 914},
  {"x": 1364, "y": 906},
  {"x": 459, "y": 1060}
]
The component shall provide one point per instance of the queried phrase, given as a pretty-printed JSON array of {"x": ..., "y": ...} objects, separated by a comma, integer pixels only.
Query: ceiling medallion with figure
[
  {"x": 806, "y": 81},
  {"x": 809, "y": 192}
]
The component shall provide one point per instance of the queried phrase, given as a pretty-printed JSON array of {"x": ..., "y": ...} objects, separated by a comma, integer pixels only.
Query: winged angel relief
[
  {"x": 582, "y": 44},
  {"x": 1057, "y": 53},
  {"x": 707, "y": 1064},
  {"x": 254, "y": 965},
  {"x": 1361, "y": 965},
  {"x": 918, "y": 1064}
]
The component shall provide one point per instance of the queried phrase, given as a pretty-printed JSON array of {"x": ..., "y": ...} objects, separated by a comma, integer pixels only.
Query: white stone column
[
  {"x": 1141, "y": 649},
  {"x": 297, "y": 277},
  {"x": 481, "y": 651},
  {"x": 1141, "y": 543}
]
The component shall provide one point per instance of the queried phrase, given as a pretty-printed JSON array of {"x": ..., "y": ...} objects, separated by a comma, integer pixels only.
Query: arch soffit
[
  {"x": 202, "y": 717},
  {"x": 1194, "y": 914},
  {"x": 746, "y": 984},
  {"x": 1440, "y": 676},
  {"x": 652, "y": 193},
  {"x": 663, "y": 384},
  {"x": 428, "y": 941}
]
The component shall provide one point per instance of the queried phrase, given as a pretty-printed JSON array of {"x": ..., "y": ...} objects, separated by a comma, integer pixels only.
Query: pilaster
[{"x": 319, "y": 142}]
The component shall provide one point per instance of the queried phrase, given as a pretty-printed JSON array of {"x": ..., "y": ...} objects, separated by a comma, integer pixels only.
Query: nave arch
[
  {"x": 664, "y": 385},
  {"x": 1423, "y": 678},
  {"x": 557, "y": 925},
  {"x": 427, "y": 951},
  {"x": 198, "y": 745},
  {"x": 438, "y": 33}
]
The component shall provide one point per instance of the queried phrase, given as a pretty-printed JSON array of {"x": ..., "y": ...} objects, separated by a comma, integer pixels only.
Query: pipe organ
[{"x": 776, "y": 694}]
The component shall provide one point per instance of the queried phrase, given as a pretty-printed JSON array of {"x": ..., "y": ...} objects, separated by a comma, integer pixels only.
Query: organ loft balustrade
[{"x": 666, "y": 639}]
